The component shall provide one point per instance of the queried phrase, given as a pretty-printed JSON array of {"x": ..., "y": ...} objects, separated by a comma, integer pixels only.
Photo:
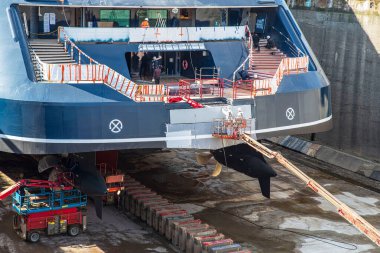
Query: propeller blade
[
  {"x": 217, "y": 170},
  {"x": 98, "y": 201},
  {"x": 203, "y": 158},
  {"x": 48, "y": 162},
  {"x": 265, "y": 186}
]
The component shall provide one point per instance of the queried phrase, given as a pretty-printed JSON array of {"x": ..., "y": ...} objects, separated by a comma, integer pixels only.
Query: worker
[
  {"x": 157, "y": 75},
  {"x": 256, "y": 42},
  {"x": 270, "y": 43},
  {"x": 145, "y": 23},
  {"x": 244, "y": 74}
]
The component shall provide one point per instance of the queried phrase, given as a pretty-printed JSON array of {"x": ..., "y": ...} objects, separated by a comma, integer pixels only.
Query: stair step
[
  {"x": 60, "y": 61},
  {"x": 267, "y": 67},
  {"x": 60, "y": 49},
  {"x": 265, "y": 60},
  {"x": 35, "y": 45},
  {"x": 55, "y": 57},
  {"x": 260, "y": 63},
  {"x": 52, "y": 53},
  {"x": 264, "y": 71},
  {"x": 266, "y": 52}
]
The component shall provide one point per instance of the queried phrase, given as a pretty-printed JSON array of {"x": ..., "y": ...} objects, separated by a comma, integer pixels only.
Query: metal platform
[{"x": 34, "y": 200}]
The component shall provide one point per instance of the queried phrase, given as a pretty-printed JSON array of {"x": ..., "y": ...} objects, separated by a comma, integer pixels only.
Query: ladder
[
  {"x": 346, "y": 212},
  {"x": 161, "y": 22}
]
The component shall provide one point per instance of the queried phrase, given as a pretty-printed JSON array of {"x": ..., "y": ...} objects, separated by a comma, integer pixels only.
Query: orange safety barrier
[
  {"x": 269, "y": 85},
  {"x": 92, "y": 72},
  {"x": 187, "y": 88},
  {"x": 150, "y": 93},
  {"x": 196, "y": 88},
  {"x": 251, "y": 88}
]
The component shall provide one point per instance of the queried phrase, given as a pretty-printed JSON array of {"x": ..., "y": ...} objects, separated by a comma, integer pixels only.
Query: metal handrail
[
  {"x": 215, "y": 72},
  {"x": 250, "y": 48},
  {"x": 241, "y": 66},
  {"x": 39, "y": 63},
  {"x": 290, "y": 43}
]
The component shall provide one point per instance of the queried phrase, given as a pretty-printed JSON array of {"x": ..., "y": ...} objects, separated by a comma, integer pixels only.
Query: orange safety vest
[{"x": 144, "y": 24}]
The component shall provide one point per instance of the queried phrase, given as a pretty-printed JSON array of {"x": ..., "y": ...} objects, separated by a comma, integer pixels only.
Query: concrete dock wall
[{"x": 348, "y": 48}]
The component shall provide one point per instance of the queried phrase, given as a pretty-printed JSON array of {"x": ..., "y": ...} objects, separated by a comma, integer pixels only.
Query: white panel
[
  {"x": 172, "y": 47},
  {"x": 146, "y": 35},
  {"x": 207, "y": 114},
  {"x": 179, "y": 143}
]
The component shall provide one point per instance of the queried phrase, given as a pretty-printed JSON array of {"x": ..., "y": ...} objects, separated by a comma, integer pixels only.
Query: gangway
[{"x": 343, "y": 210}]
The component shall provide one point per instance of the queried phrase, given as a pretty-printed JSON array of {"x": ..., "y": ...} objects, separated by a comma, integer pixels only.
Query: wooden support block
[
  {"x": 151, "y": 203},
  {"x": 176, "y": 229},
  {"x": 169, "y": 225},
  {"x": 185, "y": 230},
  {"x": 198, "y": 240},
  {"x": 190, "y": 240},
  {"x": 162, "y": 219},
  {"x": 207, "y": 246},
  {"x": 225, "y": 248}
]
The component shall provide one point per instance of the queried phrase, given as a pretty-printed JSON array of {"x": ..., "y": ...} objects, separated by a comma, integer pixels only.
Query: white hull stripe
[{"x": 154, "y": 139}]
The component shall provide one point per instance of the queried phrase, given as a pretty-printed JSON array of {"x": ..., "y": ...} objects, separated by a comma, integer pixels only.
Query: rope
[{"x": 45, "y": 34}]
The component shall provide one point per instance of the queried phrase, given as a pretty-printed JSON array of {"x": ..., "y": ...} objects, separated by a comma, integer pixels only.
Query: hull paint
[
  {"x": 40, "y": 128},
  {"x": 47, "y": 118}
]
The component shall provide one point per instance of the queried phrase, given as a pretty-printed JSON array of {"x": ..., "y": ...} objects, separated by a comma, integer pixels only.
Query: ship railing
[
  {"x": 251, "y": 88},
  {"x": 195, "y": 88},
  {"x": 294, "y": 50},
  {"x": 249, "y": 44},
  {"x": 88, "y": 73},
  {"x": 207, "y": 73},
  {"x": 150, "y": 93},
  {"x": 88, "y": 70},
  {"x": 241, "y": 67},
  {"x": 261, "y": 87},
  {"x": 38, "y": 66}
]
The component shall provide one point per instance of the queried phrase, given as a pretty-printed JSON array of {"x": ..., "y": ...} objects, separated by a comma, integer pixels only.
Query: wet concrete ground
[
  {"x": 294, "y": 220},
  {"x": 117, "y": 232}
]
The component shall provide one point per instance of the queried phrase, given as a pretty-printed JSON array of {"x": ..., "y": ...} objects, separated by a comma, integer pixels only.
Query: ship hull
[{"x": 48, "y": 128}]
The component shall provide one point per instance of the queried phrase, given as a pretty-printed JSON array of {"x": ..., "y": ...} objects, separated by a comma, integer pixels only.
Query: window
[
  {"x": 156, "y": 14},
  {"x": 153, "y": 15},
  {"x": 120, "y": 17}
]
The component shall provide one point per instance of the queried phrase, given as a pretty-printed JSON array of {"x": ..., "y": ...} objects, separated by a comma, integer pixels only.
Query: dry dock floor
[{"x": 295, "y": 219}]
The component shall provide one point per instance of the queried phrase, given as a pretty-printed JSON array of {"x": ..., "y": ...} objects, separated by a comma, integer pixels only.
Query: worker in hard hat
[
  {"x": 145, "y": 23},
  {"x": 270, "y": 43}
]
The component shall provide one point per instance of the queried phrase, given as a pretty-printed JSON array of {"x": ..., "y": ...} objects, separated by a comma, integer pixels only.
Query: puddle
[
  {"x": 362, "y": 205},
  {"x": 317, "y": 224}
]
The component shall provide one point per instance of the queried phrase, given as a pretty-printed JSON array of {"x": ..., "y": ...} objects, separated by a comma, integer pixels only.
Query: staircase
[
  {"x": 264, "y": 63},
  {"x": 53, "y": 64},
  {"x": 48, "y": 51}
]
